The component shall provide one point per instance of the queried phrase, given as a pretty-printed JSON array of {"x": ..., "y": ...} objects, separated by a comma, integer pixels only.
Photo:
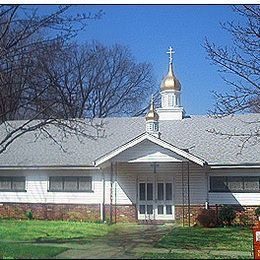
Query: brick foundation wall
[
  {"x": 77, "y": 212},
  {"x": 244, "y": 214},
  {"x": 194, "y": 211},
  {"x": 121, "y": 213}
]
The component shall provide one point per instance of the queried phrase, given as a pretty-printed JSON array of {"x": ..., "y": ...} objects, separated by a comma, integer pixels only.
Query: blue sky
[{"x": 148, "y": 30}]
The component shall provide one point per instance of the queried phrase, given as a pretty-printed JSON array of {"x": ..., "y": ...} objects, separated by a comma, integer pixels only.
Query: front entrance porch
[{"x": 154, "y": 178}]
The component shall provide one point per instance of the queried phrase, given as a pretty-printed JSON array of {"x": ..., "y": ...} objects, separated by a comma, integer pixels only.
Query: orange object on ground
[{"x": 256, "y": 231}]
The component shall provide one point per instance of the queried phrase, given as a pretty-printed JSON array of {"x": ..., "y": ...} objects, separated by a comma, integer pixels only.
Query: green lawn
[
  {"x": 14, "y": 234},
  {"x": 44, "y": 239},
  {"x": 49, "y": 230},
  {"x": 200, "y": 241}
]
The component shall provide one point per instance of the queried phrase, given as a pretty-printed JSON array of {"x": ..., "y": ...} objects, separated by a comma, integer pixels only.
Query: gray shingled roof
[{"x": 190, "y": 133}]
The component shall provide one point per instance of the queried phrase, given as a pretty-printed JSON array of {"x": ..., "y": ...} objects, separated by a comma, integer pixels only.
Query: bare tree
[
  {"x": 95, "y": 81},
  {"x": 55, "y": 82},
  {"x": 23, "y": 34},
  {"x": 239, "y": 65}
]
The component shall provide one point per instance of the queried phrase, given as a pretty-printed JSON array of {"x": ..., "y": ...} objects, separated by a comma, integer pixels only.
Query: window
[
  {"x": 218, "y": 184},
  {"x": 234, "y": 184},
  {"x": 142, "y": 191},
  {"x": 149, "y": 191},
  {"x": 168, "y": 191},
  {"x": 160, "y": 191},
  {"x": 12, "y": 183},
  {"x": 69, "y": 183},
  {"x": 251, "y": 184}
]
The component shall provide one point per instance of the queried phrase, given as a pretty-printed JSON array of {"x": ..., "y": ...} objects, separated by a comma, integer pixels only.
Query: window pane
[
  {"x": 251, "y": 183},
  {"x": 235, "y": 183},
  {"x": 18, "y": 183},
  {"x": 142, "y": 209},
  {"x": 149, "y": 191},
  {"x": 160, "y": 209},
  {"x": 168, "y": 209},
  {"x": 218, "y": 184},
  {"x": 168, "y": 191},
  {"x": 160, "y": 191},
  {"x": 55, "y": 183},
  {"x": 142, "y": 191},
  {"x": 5, "y": 183},
  {"x": 85, "y": 183},
  {"x": 70, "y": 183},
  {"x": 149, "y": 209}
]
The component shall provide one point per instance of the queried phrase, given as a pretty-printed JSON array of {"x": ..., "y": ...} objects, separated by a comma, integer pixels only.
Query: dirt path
[{"x": 120, "y": 244}]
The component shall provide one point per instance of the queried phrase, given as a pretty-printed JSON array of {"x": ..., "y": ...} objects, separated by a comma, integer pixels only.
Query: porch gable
[{"x": 148, "y": 148}]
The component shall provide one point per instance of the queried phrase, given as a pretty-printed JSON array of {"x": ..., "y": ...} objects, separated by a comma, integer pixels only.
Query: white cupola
[
  {"x": 152, "y": 121},
  {"x": 171, "y": 108}
]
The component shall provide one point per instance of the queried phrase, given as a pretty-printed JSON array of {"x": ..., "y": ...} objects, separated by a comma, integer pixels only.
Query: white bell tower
[
  {"x": 152, "y": 121},
  {"x": 171, "y": 108}
]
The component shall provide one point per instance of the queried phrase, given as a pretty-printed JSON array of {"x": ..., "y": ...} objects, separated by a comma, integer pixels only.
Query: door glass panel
[
  {"x": 142, "y": 191},
  {"x": 142, "y": 209},
  {"x": 149, "y": 209},
  {"x": 149, "y": 191},
  {"x": 168, "y": 209},
  {"x": 160, "y": 209},
  {"x": 168, "y": 191},
  {"x": 160, "y": 191}
]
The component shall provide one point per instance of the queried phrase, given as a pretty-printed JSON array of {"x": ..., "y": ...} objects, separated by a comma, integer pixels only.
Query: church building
[{"x": 163, "y": 167}]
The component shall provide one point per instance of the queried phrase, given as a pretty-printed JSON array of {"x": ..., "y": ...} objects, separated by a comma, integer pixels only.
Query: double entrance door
[{"x": 155, "y": 199}]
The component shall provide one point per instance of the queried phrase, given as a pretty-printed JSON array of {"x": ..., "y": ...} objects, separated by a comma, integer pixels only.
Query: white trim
[
  {"x": 49, "y": 168},
  {"x": 233, "y": 166},
  {"x": 153, "y": 139}
]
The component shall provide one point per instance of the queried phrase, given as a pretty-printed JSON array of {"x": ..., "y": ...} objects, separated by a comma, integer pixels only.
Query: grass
[
  {"x": 20, "y": 239},
  {"x": 23, "y": 251},
  {"x": 14, "y": 234},
  {"x": 190, "y": 255},
  {"x": 227, "y": 238},
  {"x": 38, "y": 230},
  {"x": 195, "y": 239}
]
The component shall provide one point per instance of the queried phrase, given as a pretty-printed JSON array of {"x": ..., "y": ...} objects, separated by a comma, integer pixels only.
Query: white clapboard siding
[
  {"x": 128, "y": 174},
  {"x": 147, "y": 150},
  {"x": 37, "y": 188},
  {"x": 234, "y": 198}
]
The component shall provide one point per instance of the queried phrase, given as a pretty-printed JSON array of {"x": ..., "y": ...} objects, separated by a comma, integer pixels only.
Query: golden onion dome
[
  {"x": 170, "y": 82},
  {"x": 152, "y": 114}
]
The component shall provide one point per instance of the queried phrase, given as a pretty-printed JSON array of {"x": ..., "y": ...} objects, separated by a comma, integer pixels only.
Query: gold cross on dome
[{"x": 170, "y": 52}]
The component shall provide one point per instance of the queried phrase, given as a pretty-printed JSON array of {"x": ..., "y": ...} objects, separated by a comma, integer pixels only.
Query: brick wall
[
  {"x": 77, "y": 212},
  {"x": 121, "y": 213},
  {"x": 243, "y": 213}
]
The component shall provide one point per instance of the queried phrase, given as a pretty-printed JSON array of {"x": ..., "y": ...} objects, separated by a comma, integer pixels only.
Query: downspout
[
  {"x": 103, "y": 217},
  {"x": 183, "y": 200},
  {"x": 207, "y": 187},
  {"x": 189, "y": 193},
  {"x": 115, "y": 191}
]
